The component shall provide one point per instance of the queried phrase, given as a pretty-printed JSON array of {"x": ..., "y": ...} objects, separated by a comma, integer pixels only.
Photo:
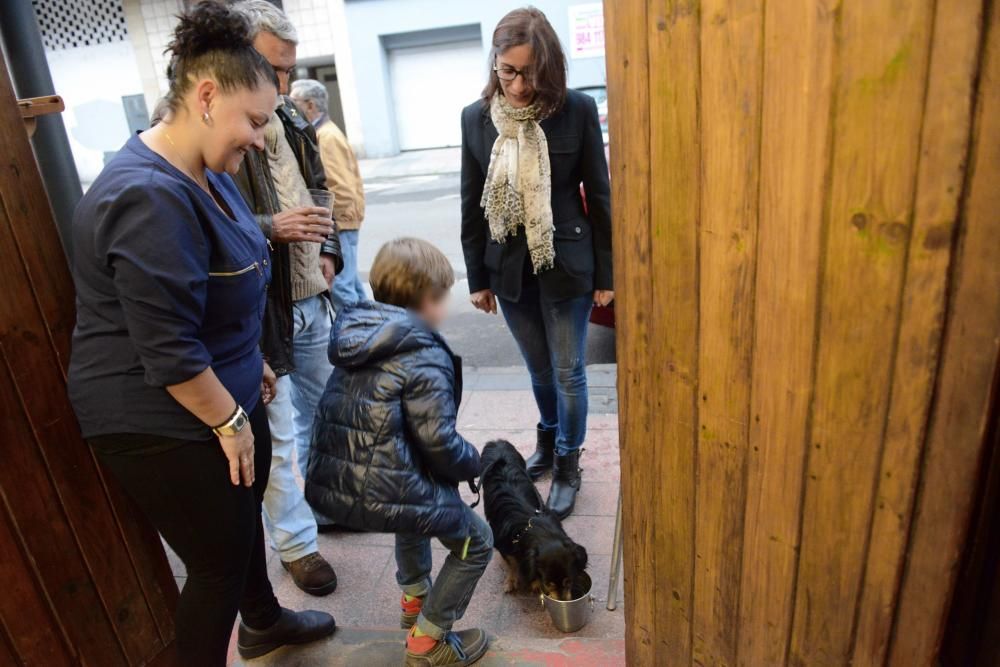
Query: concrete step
[{"x": 359, "y": 647}]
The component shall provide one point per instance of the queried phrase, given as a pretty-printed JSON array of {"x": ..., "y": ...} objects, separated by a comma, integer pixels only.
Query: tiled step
[{"x": 384, "y": 648}]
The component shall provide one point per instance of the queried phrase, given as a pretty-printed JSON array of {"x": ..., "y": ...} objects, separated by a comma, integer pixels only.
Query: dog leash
[{"x": 475, "y": 488}]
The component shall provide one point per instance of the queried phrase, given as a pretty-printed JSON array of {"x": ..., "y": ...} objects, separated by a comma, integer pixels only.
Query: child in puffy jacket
[{"x": 386, "y": 455}]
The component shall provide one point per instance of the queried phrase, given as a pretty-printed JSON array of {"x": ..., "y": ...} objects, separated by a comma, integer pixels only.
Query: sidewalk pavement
[
  {"x": 497, "y": 403},
  {"x": 413, "y": 163}
]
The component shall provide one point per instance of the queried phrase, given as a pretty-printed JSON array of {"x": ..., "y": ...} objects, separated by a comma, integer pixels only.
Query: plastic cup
[{"x": 322, "y": 199}]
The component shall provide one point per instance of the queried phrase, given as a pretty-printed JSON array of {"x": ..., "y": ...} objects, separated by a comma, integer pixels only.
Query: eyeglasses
[
  {"x": 508, "y": 73},
  {"x": 289, "y": 71}
]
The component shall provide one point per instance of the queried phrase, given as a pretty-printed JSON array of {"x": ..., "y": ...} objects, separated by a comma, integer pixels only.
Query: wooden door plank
[
  {"x": 798, "y": 58},
  {"x": 881, "y": 77},
  {"x": 66, "y": 461},
  {"x": 7, "y": 656},
  {"x": 36, "y": 323},
  {"x": 147, "y": 557},
  {"x": 943, "y": 154},
  {"x": 731, "y": 69},
  {"x": 675, "y": 192},
  {"x": 26, "y": 612},
  {"x": 47, "y": 536},
  {"x": 958, "y": 418},
  {"x": 628, "y": 97},
  {"x": 34, "y": 226}
]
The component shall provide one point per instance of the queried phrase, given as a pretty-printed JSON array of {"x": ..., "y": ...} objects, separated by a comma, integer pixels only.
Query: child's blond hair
[{"x": 408, "y": 270}]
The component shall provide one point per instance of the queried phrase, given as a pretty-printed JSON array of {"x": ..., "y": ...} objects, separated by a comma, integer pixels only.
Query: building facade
[
  {"x": 398, "y": 71},
  {"x": 94, "y": 68},
  {"x": 418, "y": 62}
]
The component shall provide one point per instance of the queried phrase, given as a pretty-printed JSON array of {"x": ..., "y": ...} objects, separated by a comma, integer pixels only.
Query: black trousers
[{"x": 215, "y": 528}]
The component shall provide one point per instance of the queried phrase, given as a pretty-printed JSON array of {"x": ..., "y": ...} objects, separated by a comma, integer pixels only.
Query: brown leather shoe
[{"x": 312, "y": 574}]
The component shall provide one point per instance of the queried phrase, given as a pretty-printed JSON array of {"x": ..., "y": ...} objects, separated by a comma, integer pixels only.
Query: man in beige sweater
[
  {"x": 343, "y": 178},
  {"x": 275, "y": 183}
]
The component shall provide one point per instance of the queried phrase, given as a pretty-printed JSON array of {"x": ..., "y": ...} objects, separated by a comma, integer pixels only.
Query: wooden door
[
  {"x": 83, "y": 579},
  {"x": 807, "y": 246}
]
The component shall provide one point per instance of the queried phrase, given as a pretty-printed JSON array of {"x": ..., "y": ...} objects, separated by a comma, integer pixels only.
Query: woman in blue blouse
[{"x": 166, "y": 375}]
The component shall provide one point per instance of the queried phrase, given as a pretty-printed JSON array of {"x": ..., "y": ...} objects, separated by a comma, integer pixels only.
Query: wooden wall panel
[
  {"x": 958, "y": 418},
  {"x": 794, "y": 157},
  {"x": 731, "y": 69},
  {"x": 628, "y": 60},
  {"x": 674, "y": 201},
  {"x": 808, "y": 277},
  {"x": 879, "y": 84},
  {"x": 88, "y": 583},
  {"x": 944, "y": 150}
]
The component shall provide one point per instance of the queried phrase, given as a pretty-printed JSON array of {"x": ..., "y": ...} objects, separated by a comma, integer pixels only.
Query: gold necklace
[
  {"x": 204, "y": 186},
  {"x": 190, "y": 172}
]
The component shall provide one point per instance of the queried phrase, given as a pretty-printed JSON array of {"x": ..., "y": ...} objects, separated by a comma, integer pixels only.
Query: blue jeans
[
  {"x": 290, "y": 521},
  {"x": 347, "y": 287},
  {"x": 448, "y": 596},
  {"x": 311, "y": 340},
  {"x": 552, "y": 336},
  {"x": 287, "y": 516}
]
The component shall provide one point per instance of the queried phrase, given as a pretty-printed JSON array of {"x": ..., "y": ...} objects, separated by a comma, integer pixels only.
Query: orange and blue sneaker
[{"x": 455, "y": 649}]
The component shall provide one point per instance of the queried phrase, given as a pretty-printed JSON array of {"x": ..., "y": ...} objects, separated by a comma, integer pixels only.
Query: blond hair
[{"x": 407, "y": 270}]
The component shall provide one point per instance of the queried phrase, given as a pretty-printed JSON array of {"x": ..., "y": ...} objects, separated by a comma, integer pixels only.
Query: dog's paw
[{"x": 513, "y": 582}]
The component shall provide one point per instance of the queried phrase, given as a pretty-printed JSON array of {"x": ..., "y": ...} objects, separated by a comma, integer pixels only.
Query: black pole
[{"x": 29, "y": 72}]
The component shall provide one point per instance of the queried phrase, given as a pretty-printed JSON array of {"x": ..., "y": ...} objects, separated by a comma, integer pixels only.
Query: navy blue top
[{"x": 167, "y": 285}]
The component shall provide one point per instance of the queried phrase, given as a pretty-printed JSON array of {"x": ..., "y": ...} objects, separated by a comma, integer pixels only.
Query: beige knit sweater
[{"x": 307, "y": 276}]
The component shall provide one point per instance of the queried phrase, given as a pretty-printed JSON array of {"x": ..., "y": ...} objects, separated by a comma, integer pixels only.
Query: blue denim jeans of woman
[{"x": 552, "y": 336}]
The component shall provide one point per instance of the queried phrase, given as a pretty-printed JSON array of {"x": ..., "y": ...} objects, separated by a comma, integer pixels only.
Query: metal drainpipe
[{"x": 22, "y": 46}]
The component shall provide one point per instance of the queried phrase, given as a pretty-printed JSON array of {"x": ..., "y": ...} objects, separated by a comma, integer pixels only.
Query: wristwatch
[{"x": 236, "y": 423}]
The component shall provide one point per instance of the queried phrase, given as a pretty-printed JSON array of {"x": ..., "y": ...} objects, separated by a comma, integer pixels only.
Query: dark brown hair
[
  {"x": 213, "y": 40},
  {"x": 407, "y": 270},
  {"x": 548, "y": 71}
]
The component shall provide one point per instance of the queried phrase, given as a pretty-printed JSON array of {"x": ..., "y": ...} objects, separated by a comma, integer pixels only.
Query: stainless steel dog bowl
[{"x": 570, "y": 615}]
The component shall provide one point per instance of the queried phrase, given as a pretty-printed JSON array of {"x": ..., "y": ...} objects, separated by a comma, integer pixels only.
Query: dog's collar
[{"x": 520, "y": 533}]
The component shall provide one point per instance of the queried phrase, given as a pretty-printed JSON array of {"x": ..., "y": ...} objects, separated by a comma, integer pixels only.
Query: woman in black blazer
[{"x": 530, "y": 243}]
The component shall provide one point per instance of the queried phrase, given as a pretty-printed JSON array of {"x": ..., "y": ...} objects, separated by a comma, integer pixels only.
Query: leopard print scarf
[{"x": 518, "y": 190}]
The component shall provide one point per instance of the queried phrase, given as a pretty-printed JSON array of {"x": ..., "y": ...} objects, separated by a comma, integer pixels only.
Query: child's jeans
[{"x": 449, "y": 595}]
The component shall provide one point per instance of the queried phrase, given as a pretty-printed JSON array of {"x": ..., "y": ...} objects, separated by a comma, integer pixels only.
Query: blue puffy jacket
[{"x": 386, "y": 455}]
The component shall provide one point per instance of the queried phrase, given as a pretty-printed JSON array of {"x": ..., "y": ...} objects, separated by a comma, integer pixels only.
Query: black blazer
[{"x": 582, "y": 240}]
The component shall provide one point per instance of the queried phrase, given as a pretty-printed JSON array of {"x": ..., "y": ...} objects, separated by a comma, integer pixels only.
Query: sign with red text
[{"x": 586, "y": 30}]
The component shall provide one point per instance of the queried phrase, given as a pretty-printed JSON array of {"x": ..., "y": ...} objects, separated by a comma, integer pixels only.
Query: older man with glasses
[{"x": 305, "y": 257}]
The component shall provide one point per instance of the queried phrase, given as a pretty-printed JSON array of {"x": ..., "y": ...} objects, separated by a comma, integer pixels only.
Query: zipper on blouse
[{"x": 226, "y": 274}]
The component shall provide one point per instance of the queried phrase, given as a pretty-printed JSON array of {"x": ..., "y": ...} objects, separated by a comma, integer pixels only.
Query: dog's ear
[{"x": 580, "y": 556}]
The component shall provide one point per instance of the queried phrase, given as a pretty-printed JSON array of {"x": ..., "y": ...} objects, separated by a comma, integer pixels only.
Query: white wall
[
  {"x": 369, "y": 20},
  {"x": 160, "y": 17},
  {"x": 92, "y": 81},
  {"x": 323, "y": 39}
]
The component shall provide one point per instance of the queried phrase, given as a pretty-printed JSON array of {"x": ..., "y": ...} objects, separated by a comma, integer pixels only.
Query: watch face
[{"x": 240, "y": 422}]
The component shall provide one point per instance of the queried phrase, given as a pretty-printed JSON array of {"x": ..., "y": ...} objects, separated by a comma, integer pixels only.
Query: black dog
[{"x": 540, "y": 555}]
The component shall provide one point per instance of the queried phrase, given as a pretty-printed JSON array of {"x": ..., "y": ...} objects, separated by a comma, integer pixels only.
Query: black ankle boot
[
  {"x": 565, "y": 484},
  {"x": 292, "y": 627},
  {"x": 540, "y": 462}
]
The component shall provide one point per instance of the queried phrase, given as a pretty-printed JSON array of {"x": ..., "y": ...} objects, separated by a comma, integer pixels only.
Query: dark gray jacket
[
  {"x": 386, "y": 455},
  {"x": 582, "y": 238}
]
